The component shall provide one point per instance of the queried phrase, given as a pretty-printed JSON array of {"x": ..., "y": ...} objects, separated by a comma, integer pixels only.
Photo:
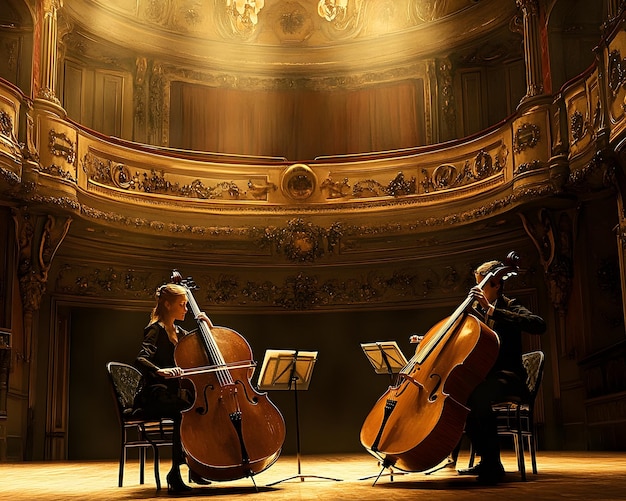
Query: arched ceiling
[{"x": 295, "y": 35}]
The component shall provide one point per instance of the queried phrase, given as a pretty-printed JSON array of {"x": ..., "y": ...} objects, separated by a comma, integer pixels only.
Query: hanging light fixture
[
  {"x": 332, "y": 9},
  {"x": 245, "y": 13}
]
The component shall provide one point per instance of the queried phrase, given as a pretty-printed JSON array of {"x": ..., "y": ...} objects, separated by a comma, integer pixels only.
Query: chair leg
[
  {"x": 532, "y": 445},
  {"x": 472, "y": 456},
  {"x": 122, "y": 464},
  {"x": 519, "y": 449},
  {"x": 142, "y": 464},
  {"x": 157, "y": 476}
]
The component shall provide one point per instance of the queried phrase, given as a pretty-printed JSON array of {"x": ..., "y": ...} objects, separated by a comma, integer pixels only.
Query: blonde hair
[{"x": 167, "y": 292}]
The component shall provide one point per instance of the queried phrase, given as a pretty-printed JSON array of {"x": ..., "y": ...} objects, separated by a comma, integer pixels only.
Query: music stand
[
  {"x": 289, "y": 370},
  {"x": 386, "y": 358}
]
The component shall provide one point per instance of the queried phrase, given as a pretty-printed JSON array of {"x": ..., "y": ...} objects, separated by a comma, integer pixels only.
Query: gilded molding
[
  {"x": 6, "y": 124},
  {"x": 303, "y": 241},
  {"x": 295, "y": 292},
  {"x": 61, "y": 146},
  {"x": 447, "y": 176},
  {"x": 322, "y": 82},
  {"x": 57, "y": 171},
  {"x": 616, "y": 73},
  {"x": 299, "y": 182},
  {"x": 527, "y": 167},
  {"x": 526, "y": 136},
  {"x": 7, "y": 136},
  {"x": 118, "y": 175},
  {"x": 601, "y": 164},
  {"x": 299, "y": 241},
  {"x": 553, "y": 236},
  {"x": 397, "y": 187},
  {"x": 578, "y": 126},
  {"x": 38, "y": 238}
]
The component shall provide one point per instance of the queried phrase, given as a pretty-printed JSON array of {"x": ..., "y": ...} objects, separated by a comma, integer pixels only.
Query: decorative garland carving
[
  {"x": 61, "y": 146},
  {"x": 299, "y": 241},
  {"x": 526, "y": 136},
  {"x": 397, "y": 187},
  {"x": 298, "y": 292},
  {"x": 57, "y": 171},
  {"x": 526, "y": 167},
  {"x": 447, "y": 176},
  {"x": 6, "y": 124},
  {"x": 448, "y": 105},
  {"x": 579, "y": 126},
  {"x": 119, "y": 175},
  {"x": 616, "y": 73},
  {"x": 6, "y": 130},
  {"x": 335, "y": 189}
]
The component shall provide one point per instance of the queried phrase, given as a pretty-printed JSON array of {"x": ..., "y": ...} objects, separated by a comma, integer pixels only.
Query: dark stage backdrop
[{"x": 343, "y": 388}]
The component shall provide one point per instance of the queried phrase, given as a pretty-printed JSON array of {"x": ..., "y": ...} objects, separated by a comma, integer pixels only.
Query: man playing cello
[{"x": 507, "y": 378}]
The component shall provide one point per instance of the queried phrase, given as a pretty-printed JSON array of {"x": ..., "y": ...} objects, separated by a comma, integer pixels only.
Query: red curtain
[{"x": 297, "y": 124}]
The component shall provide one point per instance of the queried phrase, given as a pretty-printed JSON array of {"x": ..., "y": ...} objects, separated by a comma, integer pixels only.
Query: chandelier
[
  {"x": 332, "y": 9},
  {"x": 245, "y": 13}
]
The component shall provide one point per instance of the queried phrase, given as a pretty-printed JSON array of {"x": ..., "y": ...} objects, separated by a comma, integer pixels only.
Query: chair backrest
[
  {"x": 533, "y": 362},
  {"x": 125, "y": 380}
]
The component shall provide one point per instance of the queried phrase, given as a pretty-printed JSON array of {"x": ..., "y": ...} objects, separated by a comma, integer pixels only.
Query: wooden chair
[
  {"x": 516, "y": 417},
  {"x": 136, "y": 432}
]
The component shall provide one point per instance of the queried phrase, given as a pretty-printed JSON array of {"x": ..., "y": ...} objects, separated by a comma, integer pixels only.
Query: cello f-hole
[
  {"x": 253, "y": 400},
  {"x": 205, "y": 409},
  {"x": 434, "y": 393}
]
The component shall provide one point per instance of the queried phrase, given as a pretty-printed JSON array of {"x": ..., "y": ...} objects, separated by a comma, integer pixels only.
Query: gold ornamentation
[
  {"x": 299, "y": 182},
  {"x": 57, "y": 171},
  {"x": 6, "y": 124},
  {"x": 298, "y": 241},
  {"x": 335, "y": 189},
  {"x": 526, "y": 136},
  {"x": 446, "y": 176},
  {"x": 61, "y": 146},
  {"x": 579, "y": 126},
  {"x": 616, "y": 72}
]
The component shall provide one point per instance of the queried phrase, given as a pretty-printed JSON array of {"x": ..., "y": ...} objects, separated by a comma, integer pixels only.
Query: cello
[
  {"x": 419, "y": 420},
  {"x": 231, "y": 431}
]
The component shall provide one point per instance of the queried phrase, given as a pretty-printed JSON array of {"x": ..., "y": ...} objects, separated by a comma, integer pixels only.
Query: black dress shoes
[
  {"x": 175, "y": 484},
  {"x": 474, "y": 470},
  {"x": 486, "y": 474}
]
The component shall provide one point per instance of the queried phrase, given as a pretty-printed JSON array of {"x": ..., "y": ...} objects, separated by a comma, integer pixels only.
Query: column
[
  {"x": 49, "y": 56},
  {"x": 532, "y": 47}
]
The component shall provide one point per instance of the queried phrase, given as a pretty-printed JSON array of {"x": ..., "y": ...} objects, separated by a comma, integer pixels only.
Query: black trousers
[
  {"x": 481, "y": 426},
  {"x": 159, "y": 401}
]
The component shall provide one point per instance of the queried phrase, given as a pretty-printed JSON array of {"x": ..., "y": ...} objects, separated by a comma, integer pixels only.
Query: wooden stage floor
[{"x": 561, "y": 476}]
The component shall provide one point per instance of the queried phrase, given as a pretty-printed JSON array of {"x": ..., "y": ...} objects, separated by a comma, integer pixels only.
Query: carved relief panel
[{"x": 531, "y": 143}]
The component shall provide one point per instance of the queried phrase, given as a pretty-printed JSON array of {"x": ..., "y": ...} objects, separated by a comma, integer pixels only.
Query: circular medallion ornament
[{"x": 299, "y": 182}]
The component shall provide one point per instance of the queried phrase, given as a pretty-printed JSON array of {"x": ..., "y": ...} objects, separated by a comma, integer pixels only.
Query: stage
[{"x": 561, "y": 475}]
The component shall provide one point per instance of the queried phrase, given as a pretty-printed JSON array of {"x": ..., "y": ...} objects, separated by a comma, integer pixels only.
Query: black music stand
[
  {"x": 289, "y": 370},
  {"x": 386, "y": 358}
]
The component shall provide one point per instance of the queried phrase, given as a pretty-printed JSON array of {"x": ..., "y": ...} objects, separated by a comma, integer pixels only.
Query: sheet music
[
  {"x": 374, "y": 352},
  {"x": 278, "y": 368}
]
